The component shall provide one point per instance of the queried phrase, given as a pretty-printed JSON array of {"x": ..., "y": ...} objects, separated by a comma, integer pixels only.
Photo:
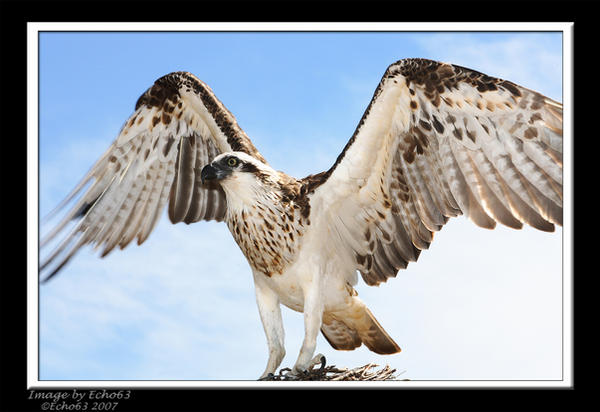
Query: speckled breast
[{"x": 269, "y": 237}]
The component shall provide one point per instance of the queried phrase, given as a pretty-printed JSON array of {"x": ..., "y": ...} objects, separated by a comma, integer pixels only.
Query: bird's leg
[
  {"x": 270, "y": 315},
  {"x": 313, "y": 316}
]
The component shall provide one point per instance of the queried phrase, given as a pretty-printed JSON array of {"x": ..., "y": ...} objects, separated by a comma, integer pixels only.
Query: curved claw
[
  {"x": 319, "y": 358},
  {"x": 323, "y": 361},
  {"x": 296, "y": 373},
  {"x": 268, "y": 377},
  {"x": 289, "y": 374}
]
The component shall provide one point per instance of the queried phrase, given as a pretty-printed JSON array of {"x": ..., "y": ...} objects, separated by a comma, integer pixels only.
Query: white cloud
[{"x": 524, "y": 58}]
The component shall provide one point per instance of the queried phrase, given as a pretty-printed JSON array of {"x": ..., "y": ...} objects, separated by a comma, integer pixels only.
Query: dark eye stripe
[{"x": 248, "y": 167}]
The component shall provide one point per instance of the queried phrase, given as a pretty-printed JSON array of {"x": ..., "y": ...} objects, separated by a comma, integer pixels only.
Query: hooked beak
[{"x": 210, "y": 172}]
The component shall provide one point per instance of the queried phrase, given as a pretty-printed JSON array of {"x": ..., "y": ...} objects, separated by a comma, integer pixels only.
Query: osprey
[{"x": 436, "y": 141}]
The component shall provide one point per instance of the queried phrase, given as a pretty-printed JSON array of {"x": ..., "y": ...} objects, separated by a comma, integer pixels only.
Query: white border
[
  {"x": 32, "y": 207},
  {"x": 33, "y": 28},
  {"x": 302, "y": 26}
]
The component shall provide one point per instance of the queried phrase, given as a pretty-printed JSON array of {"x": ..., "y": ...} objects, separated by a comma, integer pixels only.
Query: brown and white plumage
[{"x": 436, "y": 141}]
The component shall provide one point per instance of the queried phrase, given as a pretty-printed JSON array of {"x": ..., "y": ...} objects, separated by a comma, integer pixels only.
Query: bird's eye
[{"x": 232, "y": 161}]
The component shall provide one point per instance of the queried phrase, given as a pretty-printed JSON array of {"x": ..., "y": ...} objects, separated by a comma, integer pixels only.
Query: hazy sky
[{"x": 478, "y": 304}]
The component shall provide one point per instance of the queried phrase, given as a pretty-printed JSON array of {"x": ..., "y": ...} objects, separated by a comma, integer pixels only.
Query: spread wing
[
  {"x": 438, "y": 141},
  {"x": 178, "y": 127}
]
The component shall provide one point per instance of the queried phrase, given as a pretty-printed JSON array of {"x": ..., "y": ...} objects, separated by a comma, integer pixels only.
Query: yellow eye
[{"x": 231, "y": 162}]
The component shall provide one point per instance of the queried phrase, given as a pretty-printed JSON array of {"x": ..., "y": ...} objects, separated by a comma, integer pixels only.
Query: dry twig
[{"x": 331, "y": 373}]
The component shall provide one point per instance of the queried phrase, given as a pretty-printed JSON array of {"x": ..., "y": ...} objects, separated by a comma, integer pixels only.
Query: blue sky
[{"x": 478, "y": 305}]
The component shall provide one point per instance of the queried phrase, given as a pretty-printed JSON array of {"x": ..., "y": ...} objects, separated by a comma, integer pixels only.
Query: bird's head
[
  {"x": 234, "y": 166},
  {"x": 239, "y": 173}
]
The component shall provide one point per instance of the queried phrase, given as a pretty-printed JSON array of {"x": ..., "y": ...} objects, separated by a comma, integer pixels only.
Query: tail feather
[
  {"x": 348, "y": 330},
  {"x": 340, "y": 336},
  {"x": 375, "y": 337}
]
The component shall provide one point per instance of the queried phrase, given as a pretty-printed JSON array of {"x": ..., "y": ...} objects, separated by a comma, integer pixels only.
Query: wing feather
[
  {"x": 438, "y": 141},
  {"x": 471, "y": 186},
  {"x": 177, "y": 128},
  {"x": 157, "y": 199},
  {"x": 494, "y": 200},
  {"x": 424, "y": 200},
  {"x": 183, "y": 185},
  {"x": 138, "y": 214}
]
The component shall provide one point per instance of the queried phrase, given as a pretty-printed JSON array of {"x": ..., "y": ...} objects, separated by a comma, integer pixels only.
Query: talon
[
  {"x": 320, "y": 358},
  {"x": 288, "y": 375},
  {"x": 323, "y": 361},
  {"x": 268, "y": 377}
]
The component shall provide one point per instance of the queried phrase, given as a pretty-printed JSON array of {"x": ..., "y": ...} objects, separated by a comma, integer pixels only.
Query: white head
[{"x": 241, "y": 176}]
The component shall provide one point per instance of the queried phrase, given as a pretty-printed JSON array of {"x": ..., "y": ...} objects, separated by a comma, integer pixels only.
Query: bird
[{"x": 436, "y": 141}]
